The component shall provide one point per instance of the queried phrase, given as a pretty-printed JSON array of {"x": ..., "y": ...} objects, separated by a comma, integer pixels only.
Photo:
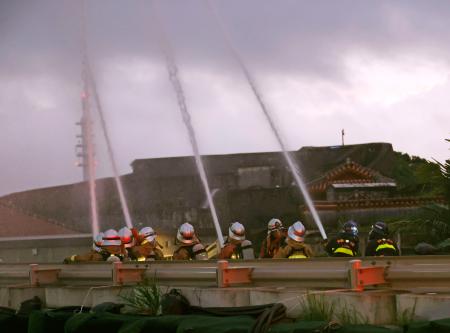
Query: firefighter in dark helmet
[
  {"x": 346, "y": 243},
  {"x": 379, "y": 243}
]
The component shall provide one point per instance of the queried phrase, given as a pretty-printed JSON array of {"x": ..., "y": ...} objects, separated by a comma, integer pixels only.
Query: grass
[
  {"x": 317, "y": 308},
  {"x": 348, "y": 315},
  {"x": 145, "y": 298},
  {"x": 407, "y": 316}
]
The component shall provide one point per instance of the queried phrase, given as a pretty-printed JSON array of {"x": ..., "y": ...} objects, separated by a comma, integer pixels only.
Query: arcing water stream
[
  {"x": 87, "y": 124},
  {"x": 89, "y": 82},
  {"x": 123, "y": 201},
  {"x": 178, "y": 88},
  {"x": 251, "y": 81}
]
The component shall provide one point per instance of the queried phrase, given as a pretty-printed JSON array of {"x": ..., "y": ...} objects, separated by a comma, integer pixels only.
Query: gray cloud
[{"x": 300, "y": 52}]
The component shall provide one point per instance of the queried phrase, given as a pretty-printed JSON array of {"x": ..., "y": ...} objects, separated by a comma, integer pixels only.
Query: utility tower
[{"x": 81, "y": 150}]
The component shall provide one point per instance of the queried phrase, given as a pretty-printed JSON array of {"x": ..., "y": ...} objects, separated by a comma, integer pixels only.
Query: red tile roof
[
  {"x": 14, "y": 223},
  {"x": 349, "y": 172}
]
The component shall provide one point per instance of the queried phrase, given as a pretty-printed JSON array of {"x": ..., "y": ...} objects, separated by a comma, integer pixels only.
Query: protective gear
[
  {"x": 276, "y": 237},
  {"x": 199, "y": 252},
  {"x": 147, "y": 235},
  {"x": 113, "y": 258},
  {"x": 297, "y": 231},
  {"x": 126, "y": 237},
  {"x": 379, "y": 243},
  {"x": 274, "y": 224},
  {"x": 379, "y": 229},
  {"x": 98, "y": 242},
  {"x": 186, "y": 233},
  {"x": 92, "y": 255},
  {"x": 350, "y": 227},
  {"x": 247, "y": 250},
  {"x": 294, "y": 250},
  {"x": 236, "y": 231},
  {"x": 343, "y": 245},
  {"x": 111, "y": 238}
]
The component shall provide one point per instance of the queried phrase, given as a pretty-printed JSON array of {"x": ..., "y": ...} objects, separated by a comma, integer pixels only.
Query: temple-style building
[{"x": 353, "y": 181}]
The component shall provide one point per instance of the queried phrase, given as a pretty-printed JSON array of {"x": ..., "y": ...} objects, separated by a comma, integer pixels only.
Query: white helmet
[
  {"x": 148, "y": 234},
  {"x": 274, "y": 224},
  {"x": 126, "y": 237},
  {"x": 186, "y": 233},
  {"x": 98, "y": 242},
  {"x": 111, "y": 237},
  {"x": 236, "y": 231},
  {"x": 297, "y": 231}
]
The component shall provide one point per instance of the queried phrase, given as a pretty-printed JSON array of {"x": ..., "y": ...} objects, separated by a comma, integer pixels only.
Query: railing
[{"x": 400, "y": 273}]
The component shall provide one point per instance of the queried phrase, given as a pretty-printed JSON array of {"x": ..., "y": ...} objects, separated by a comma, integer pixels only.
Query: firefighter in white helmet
[
  {"x": 190, "y": 247},
  {"x": 236, "y": 246},
  {"x": 295, "y": 247},
  {"x": 96, "y": 254},
  {"x": 147, "y": 248},
  {"x": 127, "y": 241},
  {"x": 112, "y": 244},
  {"x": 276, "y": 237}
]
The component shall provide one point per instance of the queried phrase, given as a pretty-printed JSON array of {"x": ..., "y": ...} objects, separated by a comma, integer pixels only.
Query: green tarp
[{"x": 69, "y": 322}]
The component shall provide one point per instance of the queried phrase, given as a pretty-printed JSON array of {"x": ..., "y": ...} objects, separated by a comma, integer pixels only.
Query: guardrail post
[
  {"x": 232, "y": 275},
  {"x": 123, "y": 274},
  {"x": 43, "y": 276},
  {"x": 365, "y": 276}
]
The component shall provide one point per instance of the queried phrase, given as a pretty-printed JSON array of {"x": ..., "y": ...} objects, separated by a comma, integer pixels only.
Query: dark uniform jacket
[
  {"x": 381, "y": 247},
  {"x": 343, "y": 245}
]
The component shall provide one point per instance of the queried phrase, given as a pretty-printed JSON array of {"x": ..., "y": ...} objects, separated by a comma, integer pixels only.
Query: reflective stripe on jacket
[
  {"x": 344, "y": 251},
  {"x": 385, "y": 246},
  {"x": 297, "y": 255}
]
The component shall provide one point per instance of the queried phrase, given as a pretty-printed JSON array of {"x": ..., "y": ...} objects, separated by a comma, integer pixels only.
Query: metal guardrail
[{"x": 401, "y": 273}]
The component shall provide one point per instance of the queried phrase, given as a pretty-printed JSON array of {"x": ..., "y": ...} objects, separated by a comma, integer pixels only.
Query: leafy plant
[
  {"x": 145, "y": 298},
  {"x": 432, "y": 222},
  {"x": 316, "y": 307}
]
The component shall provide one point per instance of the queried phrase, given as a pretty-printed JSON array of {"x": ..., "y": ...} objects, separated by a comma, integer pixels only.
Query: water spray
[
  {"x": 172, "y": 69},
  {"x": 123, "y": 201},
  {"x": 88, "y": 133},
  {"x": 251, "y": 81},
  {"x": 91, "y": 83}
]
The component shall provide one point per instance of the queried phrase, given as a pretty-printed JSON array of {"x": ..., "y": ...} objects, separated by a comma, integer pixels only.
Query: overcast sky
[{"x": 379, "y": 69}]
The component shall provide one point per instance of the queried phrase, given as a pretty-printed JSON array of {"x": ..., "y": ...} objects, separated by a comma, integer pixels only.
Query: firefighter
[
  {"x": 96, "y": 254},
  {"x": 276, "y": 237},
  {"x": 295, "y": 247},
  {"x": 112, "y": 244},
  {"x": 147, "y": 248},
  {"x": 190, "y": 247},
  {"x": 236, "y": 246},
  {"x": 379, "y": 243},
  {"x": 128, "y": 242},
  {"x": 346, "y": 243}
]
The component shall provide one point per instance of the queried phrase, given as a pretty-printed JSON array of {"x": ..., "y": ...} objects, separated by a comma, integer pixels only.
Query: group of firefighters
[{"x": 131, "y": 244}]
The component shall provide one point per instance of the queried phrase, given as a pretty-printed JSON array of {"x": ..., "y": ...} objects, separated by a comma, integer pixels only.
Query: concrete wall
[{"x": 375, "y": 307}]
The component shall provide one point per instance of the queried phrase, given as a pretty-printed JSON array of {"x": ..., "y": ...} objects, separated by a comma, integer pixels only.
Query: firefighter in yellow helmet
[
  {"x": 236, "y": 246},
  {"x": 190, "y": 247},
  {"x": 295, "y": 247}
]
